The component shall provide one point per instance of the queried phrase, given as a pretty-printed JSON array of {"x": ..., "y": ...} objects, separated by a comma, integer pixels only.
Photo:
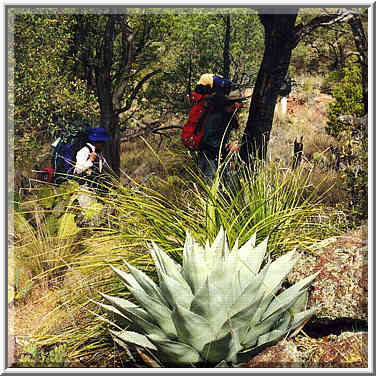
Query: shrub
[
  {"x": 348, "y": 95},
  {"x": 351, "y": 132}
]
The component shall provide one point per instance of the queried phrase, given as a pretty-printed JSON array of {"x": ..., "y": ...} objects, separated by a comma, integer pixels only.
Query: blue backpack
[
  {"x": 223, "y": 83},
  {"x": 65, "y": 149}
]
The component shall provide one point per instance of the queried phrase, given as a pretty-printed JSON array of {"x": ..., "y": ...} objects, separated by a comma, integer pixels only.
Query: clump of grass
[{"x": 46, "y": 246}]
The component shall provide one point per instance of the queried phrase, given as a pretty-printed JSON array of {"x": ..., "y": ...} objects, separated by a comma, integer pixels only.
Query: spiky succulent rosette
[{"x": 220, "y": 305}]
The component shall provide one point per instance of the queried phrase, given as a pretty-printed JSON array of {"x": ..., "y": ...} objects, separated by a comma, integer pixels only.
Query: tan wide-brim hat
[{"x": 206, "y": 79}]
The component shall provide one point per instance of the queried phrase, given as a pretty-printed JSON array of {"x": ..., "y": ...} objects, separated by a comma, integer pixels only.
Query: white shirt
[{"x": 83, "y": 162}]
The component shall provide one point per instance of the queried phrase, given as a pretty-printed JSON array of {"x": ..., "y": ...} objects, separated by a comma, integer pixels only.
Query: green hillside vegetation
[{"x": 62, "y": 257}]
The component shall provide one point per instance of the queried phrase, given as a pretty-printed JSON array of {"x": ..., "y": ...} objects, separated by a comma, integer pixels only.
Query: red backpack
[{"x": 193, "y": 129}]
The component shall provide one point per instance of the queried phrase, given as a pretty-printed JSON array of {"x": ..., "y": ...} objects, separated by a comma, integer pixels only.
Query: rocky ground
[{"x": 337, "y": 336}]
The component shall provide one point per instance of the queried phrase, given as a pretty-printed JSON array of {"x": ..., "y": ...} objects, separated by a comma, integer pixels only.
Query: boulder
[{"x": 341, "y": 289}]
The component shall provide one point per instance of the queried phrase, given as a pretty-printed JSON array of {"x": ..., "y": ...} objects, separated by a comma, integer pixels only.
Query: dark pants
[{"x": 208, "y": 164}]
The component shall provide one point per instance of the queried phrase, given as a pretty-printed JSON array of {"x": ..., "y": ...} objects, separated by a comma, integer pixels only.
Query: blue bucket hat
[{"x": 98, "y": 135}]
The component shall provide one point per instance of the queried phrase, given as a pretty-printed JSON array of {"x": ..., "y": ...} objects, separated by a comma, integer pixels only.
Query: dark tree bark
[
  {"x": 104, "y": 91},
  {"x": 361, "y": 46},
  {"x": 279, "y": 43},
  {"x": 226, "y": 47},
  {"x": 281, "y": 37}
]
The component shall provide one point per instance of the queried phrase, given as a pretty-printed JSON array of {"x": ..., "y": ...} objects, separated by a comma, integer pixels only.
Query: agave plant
[{"x": 220, "y": 306}]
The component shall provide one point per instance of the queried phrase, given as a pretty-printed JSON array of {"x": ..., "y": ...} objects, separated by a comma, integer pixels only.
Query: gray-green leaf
[
  {"x": 192, "y": 328},
  {"x": 134, "y": 338},
  {"x": 173, "y": 352}
]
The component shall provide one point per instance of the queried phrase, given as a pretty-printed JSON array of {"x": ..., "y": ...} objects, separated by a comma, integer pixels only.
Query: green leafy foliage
[
  {"x": 220, "y": 305},
  {"x": 353, "y": 136},
  {"x": 196, "y": 47},
  {"x": 45, "y": 97},
  {"x": 324, "y": 49},
  {"x": 34, "y": 356},
  {"x": 348, "y": 95}
]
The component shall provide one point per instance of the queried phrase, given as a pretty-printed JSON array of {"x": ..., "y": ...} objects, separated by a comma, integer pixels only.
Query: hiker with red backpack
[{"x": 211, "y": 120}]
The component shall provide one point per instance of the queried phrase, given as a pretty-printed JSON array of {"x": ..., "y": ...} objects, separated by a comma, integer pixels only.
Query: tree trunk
[
  {"x": 109, "y": 118},
  {"x": 280, "y": 39},
  {"x": 226, "y": 48},
  {"x": 113, "y": 146},
  {"x": 361, "y": 45}
]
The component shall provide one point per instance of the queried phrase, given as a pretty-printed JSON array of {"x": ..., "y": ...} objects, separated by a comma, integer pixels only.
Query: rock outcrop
[
  {"x": 336, "y": 337},
  {"x": 341, "y": 288}
]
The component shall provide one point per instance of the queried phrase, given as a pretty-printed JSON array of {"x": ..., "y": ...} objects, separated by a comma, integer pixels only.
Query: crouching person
[
  {"x": 90, "y": 161},
  {"x": 90, "y": 164}
]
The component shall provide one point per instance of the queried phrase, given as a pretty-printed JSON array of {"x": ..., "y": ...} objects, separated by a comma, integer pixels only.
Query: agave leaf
[
  {"x": 192, "y": 328},
  {"x": 207, "y": 305},
  {"x": 137, "y": 315},
  {"x": 120, "y": 342},
  {"x": 127, "y": 278},
  {"x": 243, "y": 318},
  {"x": 134, "y": 338},
  {"x": 246, "y": 248},
  {"x": 172, "y": 352},
  {"x": 236, "y": 286},
  {"x": 274, "y": 336},
  {"x": 251, "y": 338},
  {"x": 285, "y": 304},
  {"x": 278, "y": 271},
  {"x": 194, "y": 266},
  {"x": 284, "y": 321},
  {"x": 207, "y": 247},
  {"x": 301, "y": 317},
  {"x": 250, "y": 260},
  {"x": 219, "y": 349},
  {"x": 165, "y": 263},
  {"x": 290, "y": 294},
  {"x": 220, "y": 248},
  {"x": 235, "y": 347},
  {"x": 111, "y": 309},
  {"x": 236, "y": 246},
  {"x": 146, "y": 283},
  {"x": 122, "y": 303},
  {"x": 214, "y": 300},
  {"x": 266, "y": 300},
  {"x": 270, "y": 337},
  {"x": 300, "y": 304},
  {"x": 175, "y": 292},
  {"x": 159, "y": 312},
  {"x": 249, "y": 295}
]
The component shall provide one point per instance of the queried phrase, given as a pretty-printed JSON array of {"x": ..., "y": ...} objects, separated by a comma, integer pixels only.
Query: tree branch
[
  {"x": 154, "y": 128},
  {"x": 136, "y": 90},
  {"x": 302, "y": 30}
]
